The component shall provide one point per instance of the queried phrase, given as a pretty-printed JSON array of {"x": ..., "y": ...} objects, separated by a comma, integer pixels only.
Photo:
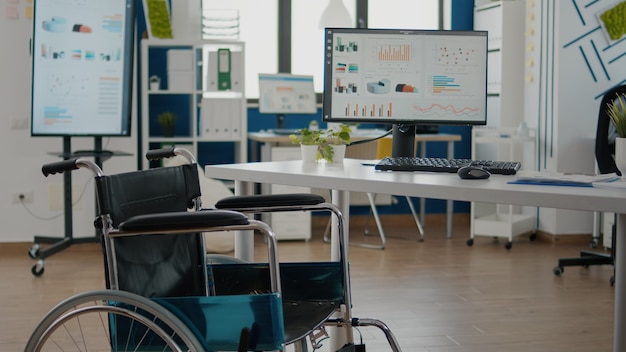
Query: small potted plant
[
  {"x": 617, "y": 112},
  {"x": 167, "y": 120},
  {"x": 155, "y": 82},
  {"x": 309, "y": 141},
  {"x": 333, "y": 143}
]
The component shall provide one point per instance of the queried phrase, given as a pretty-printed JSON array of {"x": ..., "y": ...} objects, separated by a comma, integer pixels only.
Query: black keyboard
[{"x": 445, "y": 165}]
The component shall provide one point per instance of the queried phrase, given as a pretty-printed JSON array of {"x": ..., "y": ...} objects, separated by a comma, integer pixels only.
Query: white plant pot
[
  {"x": 339, "y": 153},
  {"x": 309, "y": 153},
  {"x": 620, "y": 155}
]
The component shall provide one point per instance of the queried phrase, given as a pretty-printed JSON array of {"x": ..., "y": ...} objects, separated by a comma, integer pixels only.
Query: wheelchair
[{"x": 163, "y": 293}]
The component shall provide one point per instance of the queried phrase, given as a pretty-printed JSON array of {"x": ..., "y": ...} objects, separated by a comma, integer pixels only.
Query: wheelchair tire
[{"x": 82, "y": 322}]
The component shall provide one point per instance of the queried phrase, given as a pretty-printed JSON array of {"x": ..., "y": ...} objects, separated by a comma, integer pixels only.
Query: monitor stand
[
  {"x": 280, "y": 121},
  {"x": 403, "y": 140},
  {"x": 57, "y": 244}
]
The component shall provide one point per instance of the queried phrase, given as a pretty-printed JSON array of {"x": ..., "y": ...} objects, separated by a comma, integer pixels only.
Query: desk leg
[
  {"x": 423, "y": 200},
  {"x": 244, "y": 240},
  {"x": 619, "y": 338},
  {"x": 449, "y": 203},
  {"x": 338, "y": 336}
]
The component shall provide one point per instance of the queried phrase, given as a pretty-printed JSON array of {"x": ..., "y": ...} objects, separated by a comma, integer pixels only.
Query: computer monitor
[
  {"x": 405, "y": 77},
  {"x": 281, "y": 93}
]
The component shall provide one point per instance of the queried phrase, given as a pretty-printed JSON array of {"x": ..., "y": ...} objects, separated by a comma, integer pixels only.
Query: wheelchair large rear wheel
[{"x": 111, "y": 320}]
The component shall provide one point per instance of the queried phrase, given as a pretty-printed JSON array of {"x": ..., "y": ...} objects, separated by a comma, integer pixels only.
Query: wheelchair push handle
[
  {"x": 70, "y": 165},
  {"x": 59, "y": 167},
  {"x": 158, "y": 154}
]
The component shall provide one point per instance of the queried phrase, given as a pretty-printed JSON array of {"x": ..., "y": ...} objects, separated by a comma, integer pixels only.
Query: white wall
[
  {"x": 22, "y": 156},
  {"x": 569, "y": 64}
]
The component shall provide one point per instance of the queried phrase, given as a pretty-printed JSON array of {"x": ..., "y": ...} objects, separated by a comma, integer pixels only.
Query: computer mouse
[{"x": 473, "y": 173}]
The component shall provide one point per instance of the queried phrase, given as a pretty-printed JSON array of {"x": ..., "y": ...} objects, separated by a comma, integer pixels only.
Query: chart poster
[{"x": 82, "y": 63}]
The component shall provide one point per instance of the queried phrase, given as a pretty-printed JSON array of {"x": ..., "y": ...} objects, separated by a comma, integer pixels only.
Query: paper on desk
[
  {"x": 616, "y": 184},
  {"x": 562, "y": 179}
]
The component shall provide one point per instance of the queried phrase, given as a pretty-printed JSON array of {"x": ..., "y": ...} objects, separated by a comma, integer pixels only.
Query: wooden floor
[{"x": 438, "y": 296}]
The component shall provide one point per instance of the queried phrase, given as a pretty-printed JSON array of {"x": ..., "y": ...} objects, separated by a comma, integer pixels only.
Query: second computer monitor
[{"x": 282, "y": 94}]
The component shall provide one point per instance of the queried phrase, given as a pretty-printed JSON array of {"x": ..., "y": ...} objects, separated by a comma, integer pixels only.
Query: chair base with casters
[
  {"x": 589, "y": 258},
  {"x": 605, "y": 162}
]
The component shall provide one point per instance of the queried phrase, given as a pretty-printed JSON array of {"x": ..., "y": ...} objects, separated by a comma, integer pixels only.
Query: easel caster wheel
[
  {"x": 470, "y": 242},
  {"x": 33, "y": 251},
  {"x": 38, "y": 268},
  {"x": 558, "y": 270}
]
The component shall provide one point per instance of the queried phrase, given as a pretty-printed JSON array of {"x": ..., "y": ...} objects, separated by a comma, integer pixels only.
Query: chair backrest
[
  {"x": 605, "y": 146},
  {"x": 165, "y": 265}
]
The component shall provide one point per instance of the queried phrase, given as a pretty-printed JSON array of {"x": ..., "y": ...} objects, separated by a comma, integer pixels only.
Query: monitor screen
[
  {"x": 405, "y": 77},
  {"x": 286, "y": 94},
  {"x": 82, "y": 60}
]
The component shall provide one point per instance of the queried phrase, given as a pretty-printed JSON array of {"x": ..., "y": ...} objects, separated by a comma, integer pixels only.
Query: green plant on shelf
[{"x": 167, "y": 120}]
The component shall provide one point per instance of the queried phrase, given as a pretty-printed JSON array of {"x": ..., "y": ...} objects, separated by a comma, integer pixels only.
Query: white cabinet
[
  {"x": 503, "y": 220},
  {"x": 202, "y": 83}
]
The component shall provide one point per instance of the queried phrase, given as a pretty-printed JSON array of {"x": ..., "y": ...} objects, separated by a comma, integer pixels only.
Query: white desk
[
  {"x": 270, "y": 140},
  {"x": 352, "y": 176}
]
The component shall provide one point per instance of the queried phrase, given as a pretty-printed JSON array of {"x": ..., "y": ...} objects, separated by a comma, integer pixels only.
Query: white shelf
[
  {"x": 504, "y": 225},
  {"x": 209, "y": 114},
  {"x": 496, "y": 220}
]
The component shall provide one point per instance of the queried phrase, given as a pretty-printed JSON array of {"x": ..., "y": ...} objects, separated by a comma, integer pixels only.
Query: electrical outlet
[
  {"x": 23, "y": 197},
  {"x": 19, "y": 123}
]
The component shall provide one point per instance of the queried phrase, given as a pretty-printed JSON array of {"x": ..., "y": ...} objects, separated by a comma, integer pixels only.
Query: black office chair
[{"x": 605, "y": 150}]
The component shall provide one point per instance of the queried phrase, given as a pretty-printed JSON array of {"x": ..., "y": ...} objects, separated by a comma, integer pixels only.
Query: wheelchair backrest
[{"x": 165, "y": 265}]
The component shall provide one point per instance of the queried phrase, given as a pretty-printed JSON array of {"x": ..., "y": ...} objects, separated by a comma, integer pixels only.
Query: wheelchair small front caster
[
  {"x": 557, "y": 270},
  {"x": 38, "y": 268}
]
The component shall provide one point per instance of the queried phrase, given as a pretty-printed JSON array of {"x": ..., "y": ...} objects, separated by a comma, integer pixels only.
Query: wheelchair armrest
[
  {"x": 242, "y": 203},
  {"x": 183, "y": 221}
]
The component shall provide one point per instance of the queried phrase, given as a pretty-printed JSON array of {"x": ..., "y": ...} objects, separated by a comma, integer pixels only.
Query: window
[
  {"x": 307, "y": 38},
  {"x": 307, "y": 50},
  {"x": 259, "y": 30},
  {"x": 403, "y": 14}
]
